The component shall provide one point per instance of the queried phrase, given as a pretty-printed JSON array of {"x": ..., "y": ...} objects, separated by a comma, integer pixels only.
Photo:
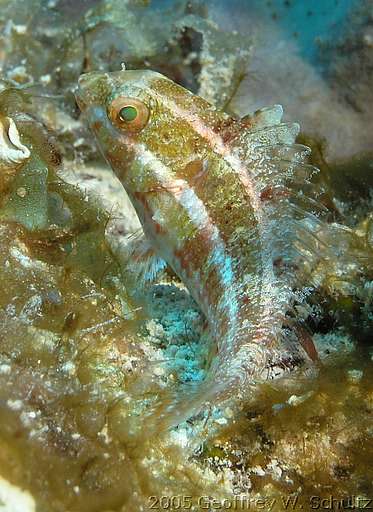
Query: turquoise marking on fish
[{"x": 212, "y": 194}]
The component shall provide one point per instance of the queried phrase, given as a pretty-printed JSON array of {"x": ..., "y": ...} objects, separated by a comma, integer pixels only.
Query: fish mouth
[
  {"x": 87, "y": 80},
  {"x": 87, "y": 90},
  {"x": 80, "y": 100}
]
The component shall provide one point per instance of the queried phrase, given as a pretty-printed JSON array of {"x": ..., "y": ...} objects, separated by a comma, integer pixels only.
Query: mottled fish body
[{"x": 212, "y": 196}]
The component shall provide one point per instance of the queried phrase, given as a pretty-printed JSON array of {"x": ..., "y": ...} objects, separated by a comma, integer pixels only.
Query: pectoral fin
[{"x": 140, "y": 259}]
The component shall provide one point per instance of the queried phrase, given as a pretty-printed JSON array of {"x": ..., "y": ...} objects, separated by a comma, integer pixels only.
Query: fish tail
[
  {"x": 185, "y": 406},
  {"x": 191, "y": 403}
]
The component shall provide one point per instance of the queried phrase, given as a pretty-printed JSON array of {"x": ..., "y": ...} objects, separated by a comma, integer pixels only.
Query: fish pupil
[{"x": 128, "y": 113}]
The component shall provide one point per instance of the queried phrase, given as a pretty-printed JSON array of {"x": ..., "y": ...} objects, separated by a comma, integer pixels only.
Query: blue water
[
  {"x": 311, "y": 20},
  {"x": 306, "y": 21}
]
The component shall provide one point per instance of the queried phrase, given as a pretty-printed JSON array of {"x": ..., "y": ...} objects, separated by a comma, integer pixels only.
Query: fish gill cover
[{"x": 108, "y": 351}]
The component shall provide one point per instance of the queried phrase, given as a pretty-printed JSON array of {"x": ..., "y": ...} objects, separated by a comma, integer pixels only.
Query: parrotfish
[{"x": 215, "y": 197}]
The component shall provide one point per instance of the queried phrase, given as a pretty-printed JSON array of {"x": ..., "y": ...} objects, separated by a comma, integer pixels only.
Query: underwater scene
[{"x": 186, "y": 255}]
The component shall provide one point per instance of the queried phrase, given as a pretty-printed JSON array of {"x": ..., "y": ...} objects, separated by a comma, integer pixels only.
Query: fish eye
[{"x": 129, "y": 114}]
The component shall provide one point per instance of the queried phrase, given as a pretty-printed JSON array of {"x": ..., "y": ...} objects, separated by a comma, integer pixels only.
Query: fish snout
[
  {"x": 87, "y": 80},
  {"x": 92, "y": 89}
]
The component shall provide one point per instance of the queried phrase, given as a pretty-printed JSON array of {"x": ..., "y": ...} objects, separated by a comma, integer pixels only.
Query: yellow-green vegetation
[
  {"x": 82, "y": 363},
  {"x": 79, "y": 370},
  {"x": 344, "y": 289},
  {"x": 71, "y": 429},
  {"x": 66, "y": 366},
  {"x": 314, "y": 441}
]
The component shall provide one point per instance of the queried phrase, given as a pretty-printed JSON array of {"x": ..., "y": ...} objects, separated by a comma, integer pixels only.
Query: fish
[{"x": 221, "y": 202}]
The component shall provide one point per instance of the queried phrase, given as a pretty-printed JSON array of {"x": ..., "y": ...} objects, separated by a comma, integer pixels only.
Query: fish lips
[{"x": 89, "y": 89}]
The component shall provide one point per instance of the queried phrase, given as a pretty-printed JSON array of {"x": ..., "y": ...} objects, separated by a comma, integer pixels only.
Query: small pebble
[
  {"x": 228, "y": 413},
  {"x": 354, "y": 376},
  {"x": 296, "y": 400},
  {"x": 258, "y": 470},
  {"x": 5, "y": 369},
  {"x": 368, "y": 39},
  {"x": 15, "y": 405},
  {"x": 21, "y": 192},
  {"x": 159, "y": 371},
  {"x": 221, "y": 421},
  {"x": 278, "y": 407}
]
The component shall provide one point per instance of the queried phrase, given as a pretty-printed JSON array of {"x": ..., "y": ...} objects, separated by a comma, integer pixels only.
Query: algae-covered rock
[{"x": 77, "y": 370}]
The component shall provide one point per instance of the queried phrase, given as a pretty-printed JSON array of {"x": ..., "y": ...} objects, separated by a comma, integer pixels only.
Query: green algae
[
  {"x": 66, "y": 365},
  {"x": 32, "y": 213}
]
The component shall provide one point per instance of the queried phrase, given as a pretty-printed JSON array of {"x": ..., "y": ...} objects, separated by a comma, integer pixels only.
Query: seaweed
[{"x": 85, "y": 353}]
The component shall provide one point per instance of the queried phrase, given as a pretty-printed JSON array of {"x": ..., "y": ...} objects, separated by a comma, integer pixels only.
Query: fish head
[
  {"x": 117, "y": 109},
  {"x": 134, "y": 111},
  {"x": 124, "y": 111}
]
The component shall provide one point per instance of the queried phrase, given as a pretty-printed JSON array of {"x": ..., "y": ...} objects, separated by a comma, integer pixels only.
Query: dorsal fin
[
  {"x": 286, "y": 152},
  {"x": 264, "y": 117},
  {"x": 282, "y": 133}
]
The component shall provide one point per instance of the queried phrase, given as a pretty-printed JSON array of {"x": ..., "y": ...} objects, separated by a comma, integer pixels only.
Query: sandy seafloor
[{"x": 65, "y": 442}]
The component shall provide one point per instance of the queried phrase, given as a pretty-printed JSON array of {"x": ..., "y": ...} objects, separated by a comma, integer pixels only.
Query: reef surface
[{"x": 83, "y": 356}]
